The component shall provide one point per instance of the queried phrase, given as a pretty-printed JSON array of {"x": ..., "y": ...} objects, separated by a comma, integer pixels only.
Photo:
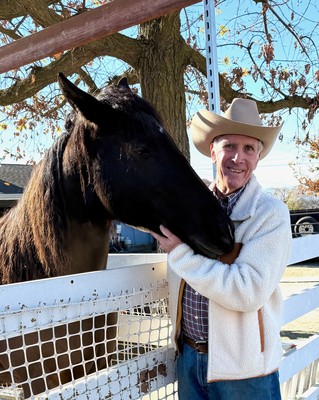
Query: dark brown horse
[{"x": 115, "y": 161}]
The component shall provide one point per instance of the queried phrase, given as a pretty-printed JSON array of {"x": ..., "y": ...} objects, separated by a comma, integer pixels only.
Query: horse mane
[{"x": 32, "y": 233}]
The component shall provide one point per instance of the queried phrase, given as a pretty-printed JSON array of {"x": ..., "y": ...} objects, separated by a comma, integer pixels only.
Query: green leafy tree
[{"x": 267, "y": 51}]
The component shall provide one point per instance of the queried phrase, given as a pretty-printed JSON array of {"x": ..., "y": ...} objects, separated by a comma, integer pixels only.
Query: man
[{"x": 226, "y": 312}]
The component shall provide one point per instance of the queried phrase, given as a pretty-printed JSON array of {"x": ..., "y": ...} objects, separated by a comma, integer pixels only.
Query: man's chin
[{"x": 234, "y": 184}]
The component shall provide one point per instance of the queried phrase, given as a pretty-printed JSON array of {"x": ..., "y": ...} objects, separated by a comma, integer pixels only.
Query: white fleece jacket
[{"x": 244, "y": 298}]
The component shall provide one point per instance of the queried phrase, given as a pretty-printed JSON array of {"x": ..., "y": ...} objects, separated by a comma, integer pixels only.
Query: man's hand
[{"x": 168, "y": 241}]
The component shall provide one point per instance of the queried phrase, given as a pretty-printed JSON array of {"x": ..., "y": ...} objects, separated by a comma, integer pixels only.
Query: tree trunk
[{"x": 161, "y": 71}]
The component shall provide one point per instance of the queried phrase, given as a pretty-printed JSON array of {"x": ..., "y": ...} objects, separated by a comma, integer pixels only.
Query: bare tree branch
[
  {"x": 288, "y": 27},
  {"x": 116, "y": 45},
  {"x": 40, "y": 12}
]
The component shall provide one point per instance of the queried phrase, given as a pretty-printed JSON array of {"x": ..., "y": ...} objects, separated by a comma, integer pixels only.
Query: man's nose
[{"x": 238, "y": 156}]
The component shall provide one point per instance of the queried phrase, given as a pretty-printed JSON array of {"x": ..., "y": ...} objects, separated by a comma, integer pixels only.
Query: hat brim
[{"x": 206, "y": 126}]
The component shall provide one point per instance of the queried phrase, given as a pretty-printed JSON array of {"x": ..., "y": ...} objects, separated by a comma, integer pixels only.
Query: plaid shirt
[{"x": 195, "y": 306}]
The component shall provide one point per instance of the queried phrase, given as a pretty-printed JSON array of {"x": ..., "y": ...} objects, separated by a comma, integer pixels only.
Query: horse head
[{"x": 137, "y": 173}]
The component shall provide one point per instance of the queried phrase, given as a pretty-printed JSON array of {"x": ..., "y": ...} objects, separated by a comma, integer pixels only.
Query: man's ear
[{"x": 212, "y": 152}]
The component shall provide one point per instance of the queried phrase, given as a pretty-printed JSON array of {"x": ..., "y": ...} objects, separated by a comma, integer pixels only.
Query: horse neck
[{"x": 88, "y": 247}]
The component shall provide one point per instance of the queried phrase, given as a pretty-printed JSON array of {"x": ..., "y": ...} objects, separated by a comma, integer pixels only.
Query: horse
[{"x": 115, "y": 161}]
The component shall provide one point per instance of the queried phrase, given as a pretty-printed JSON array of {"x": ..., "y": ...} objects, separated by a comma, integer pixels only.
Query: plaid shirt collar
[{"x": 228, "y": 202}]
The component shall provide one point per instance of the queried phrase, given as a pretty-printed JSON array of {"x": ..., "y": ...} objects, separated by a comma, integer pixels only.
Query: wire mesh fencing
[{"x": 103, "y": 335}]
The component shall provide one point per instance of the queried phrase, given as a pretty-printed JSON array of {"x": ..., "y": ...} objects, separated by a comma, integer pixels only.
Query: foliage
[
  {"x": 296, "y": 199},
  {"x": 267, "y": 51},
  {"x": 309, "y": 178}
]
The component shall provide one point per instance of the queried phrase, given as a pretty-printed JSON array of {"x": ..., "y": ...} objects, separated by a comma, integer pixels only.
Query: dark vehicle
[{"x": 304, "y": 222}]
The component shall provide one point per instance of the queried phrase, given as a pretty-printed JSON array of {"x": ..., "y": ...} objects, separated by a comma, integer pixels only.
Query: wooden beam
[{"x": 84, "y": 28}]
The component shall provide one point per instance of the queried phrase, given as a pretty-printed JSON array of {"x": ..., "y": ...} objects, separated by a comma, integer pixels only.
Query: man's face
[{"x": 236, "y": 157}]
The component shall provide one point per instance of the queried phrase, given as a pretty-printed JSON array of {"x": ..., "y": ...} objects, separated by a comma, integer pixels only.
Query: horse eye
[{"x": 143, "y": 152}]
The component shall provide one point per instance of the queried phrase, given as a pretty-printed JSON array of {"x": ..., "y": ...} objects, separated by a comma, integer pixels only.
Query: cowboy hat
[{"x": 241, "y": 118}]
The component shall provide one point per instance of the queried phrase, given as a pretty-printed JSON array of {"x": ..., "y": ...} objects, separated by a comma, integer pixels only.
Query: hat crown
[{"x": 244, "y": 111}]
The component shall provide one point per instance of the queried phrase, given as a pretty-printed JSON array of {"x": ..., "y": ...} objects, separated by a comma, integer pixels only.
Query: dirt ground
[{"x": 297, "y": 278}]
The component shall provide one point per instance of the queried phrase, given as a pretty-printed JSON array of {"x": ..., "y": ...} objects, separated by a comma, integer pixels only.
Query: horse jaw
[
  {"x": 196, "y": 244},
  {"x": 209, "y": 251}
]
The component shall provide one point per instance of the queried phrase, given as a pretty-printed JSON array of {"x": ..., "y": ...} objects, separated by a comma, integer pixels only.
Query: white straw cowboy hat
[{"x": 241, "y": 118}]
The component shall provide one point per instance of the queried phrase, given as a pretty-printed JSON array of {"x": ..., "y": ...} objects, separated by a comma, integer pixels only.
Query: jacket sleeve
[{"x": 250, "y": 280}]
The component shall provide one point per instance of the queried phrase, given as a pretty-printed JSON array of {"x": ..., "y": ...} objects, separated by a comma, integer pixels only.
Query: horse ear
[
  {"x": 123, "y": 82},
  {"x": 79, "y": 100}
]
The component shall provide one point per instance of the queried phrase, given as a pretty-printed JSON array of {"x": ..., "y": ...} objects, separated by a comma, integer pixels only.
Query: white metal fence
[
  {"x": 299, "y": 370},
  {"x": 106, "y": 335}
]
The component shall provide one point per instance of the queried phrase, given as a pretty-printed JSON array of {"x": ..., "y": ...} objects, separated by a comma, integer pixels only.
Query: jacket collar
[{"x": 247, "y": 203}]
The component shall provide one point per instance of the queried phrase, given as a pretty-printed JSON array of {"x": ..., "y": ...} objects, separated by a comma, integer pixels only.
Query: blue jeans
[{"x": 193, "y": 385}]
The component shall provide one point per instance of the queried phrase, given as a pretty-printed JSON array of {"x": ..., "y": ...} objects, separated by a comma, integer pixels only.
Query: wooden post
[{"x": 84, "y": 28}]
